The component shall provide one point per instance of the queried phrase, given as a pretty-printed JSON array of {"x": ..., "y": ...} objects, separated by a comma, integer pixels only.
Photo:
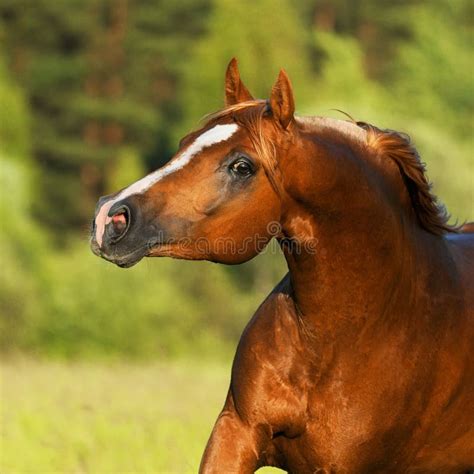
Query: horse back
[
  {"x": 468, "y": 227},
  {"x": 461, "y": 247}
]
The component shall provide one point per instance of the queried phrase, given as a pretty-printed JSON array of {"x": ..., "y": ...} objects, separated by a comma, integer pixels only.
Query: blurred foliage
[
  {"x": 99, "y": 75},
  {"x": 14, "y": 130},
  {"x": 95, "y": 93},
  {"x": 434, "y": 71},
  {"x": 242, "y": 29}
]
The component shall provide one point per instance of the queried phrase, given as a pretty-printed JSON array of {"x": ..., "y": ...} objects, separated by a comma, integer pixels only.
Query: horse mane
[
  {"x": 396, "y": 146},
  {"x": 431, "y": 214}
]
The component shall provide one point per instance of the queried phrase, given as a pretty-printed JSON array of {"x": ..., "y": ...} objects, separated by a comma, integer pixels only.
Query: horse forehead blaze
[{"x": 214, "y": 135}]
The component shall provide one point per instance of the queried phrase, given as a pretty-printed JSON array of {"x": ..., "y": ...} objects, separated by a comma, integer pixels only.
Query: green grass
[{"x": 108, "y": 418}]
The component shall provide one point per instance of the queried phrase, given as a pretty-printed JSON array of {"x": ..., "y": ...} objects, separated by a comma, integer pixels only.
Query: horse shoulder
[{"x": 268, "y": 386}]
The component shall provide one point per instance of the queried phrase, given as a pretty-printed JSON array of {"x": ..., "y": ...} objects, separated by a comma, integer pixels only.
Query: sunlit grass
[{"x": 108, "y": 418}]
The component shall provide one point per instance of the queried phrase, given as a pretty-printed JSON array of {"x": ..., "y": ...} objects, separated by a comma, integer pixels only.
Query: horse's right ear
[
  {"x": 235, "y": 91},
  {"x": 282, "y": 101}
]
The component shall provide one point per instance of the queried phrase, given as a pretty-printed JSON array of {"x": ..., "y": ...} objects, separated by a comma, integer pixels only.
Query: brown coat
[{"x": 360, "y": 360}]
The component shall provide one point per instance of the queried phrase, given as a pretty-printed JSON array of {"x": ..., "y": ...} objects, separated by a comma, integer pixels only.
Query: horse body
[
  {"x": 360, "y": 359},
  {"x": 349, "y": 405},
  {"x": 347, "y": 374}
]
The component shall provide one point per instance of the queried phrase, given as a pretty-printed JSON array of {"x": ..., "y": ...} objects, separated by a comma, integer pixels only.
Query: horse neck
[{"x": 363, "y": 259}]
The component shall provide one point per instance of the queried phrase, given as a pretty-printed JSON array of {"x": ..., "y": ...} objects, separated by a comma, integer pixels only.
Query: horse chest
[
  {"x": 346, "y": 434},
  {"x": 336, "y": 420},
  {"x": 332, "y": 409}
]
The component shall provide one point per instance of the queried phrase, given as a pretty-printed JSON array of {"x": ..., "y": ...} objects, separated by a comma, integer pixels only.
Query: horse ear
[
  {"x": 282, "y": 102},
  {"x": 235, "y": 91}
]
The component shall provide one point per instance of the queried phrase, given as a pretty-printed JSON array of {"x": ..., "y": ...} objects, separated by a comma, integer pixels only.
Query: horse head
[
  {"x": 256, "y": 171},
  {"x": 216, "y": 199}
]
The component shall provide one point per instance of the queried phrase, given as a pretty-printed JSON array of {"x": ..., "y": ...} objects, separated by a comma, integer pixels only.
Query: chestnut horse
[{"x": 361, "y": 359}]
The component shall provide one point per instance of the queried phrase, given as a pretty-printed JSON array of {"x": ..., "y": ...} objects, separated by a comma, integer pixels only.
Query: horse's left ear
[
  {"x": 235, "y": 90},
  {"x": 282, "y": 101}
]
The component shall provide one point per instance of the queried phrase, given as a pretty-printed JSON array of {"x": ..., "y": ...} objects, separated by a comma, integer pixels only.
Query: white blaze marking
[{"x": 214, "y": 135}]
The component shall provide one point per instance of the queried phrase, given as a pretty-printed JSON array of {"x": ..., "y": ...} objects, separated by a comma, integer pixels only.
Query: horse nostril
[{"x": 119, "y": 223}]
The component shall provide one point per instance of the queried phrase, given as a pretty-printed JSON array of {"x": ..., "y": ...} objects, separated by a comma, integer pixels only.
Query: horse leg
[{"x": 233, "y": 447}]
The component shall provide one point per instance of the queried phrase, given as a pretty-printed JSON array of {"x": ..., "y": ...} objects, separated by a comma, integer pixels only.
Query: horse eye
[{"x": 241, "y": 167}]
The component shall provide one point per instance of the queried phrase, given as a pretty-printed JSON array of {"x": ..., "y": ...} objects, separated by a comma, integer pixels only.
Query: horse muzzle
[{"x": 119, "y": 233}]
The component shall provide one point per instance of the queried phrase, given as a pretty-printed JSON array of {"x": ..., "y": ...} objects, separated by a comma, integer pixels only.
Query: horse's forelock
[{"x": 250, "y": 114}]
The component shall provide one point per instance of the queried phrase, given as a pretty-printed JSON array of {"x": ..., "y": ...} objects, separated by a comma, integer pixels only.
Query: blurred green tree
[
  {"x": 21, "y": 241},
  {"x": 265, "y": 35},
  {"x": 434, "y": 69},
  {"x": 97, "y": 92},
  {"x": 99, "y": 75}
]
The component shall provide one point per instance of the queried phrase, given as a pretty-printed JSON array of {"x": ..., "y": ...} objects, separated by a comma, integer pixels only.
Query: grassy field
[{"x": 108, "y": 418}]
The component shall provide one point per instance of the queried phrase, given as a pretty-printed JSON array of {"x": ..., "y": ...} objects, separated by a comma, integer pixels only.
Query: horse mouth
[
  {"x": 123, "y": 261},
  {"x": 153, "y": 248},
  {"x": 126, "y": 264}
]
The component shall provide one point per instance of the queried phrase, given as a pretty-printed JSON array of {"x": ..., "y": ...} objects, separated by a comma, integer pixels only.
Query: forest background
[{"x": 96, "y": 93}]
